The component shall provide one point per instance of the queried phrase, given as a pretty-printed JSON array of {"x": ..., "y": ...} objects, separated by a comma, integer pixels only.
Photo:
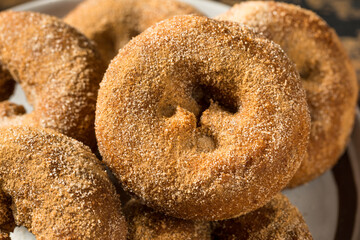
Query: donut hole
[
  {"x": 200, "y": 95},
  {"x": 12, "y": 91},
  {"x": 203, "y": 95},
  {"x": 7, "y": 89},
  {"x": 19, "y": 232},
  {"x": 110, "y": 43},
  {"x": 168, "y": 110},
  {"x": 107, "y": 41},
  {"x": 132, "y": 33},
  {"x": 309, "y": 70}
]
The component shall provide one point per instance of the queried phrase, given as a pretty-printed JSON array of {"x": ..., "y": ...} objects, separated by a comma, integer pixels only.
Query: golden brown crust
[
  {"x": 113, "y": 23},
  {"x": 278, "y": 219},
  {"x": 58, "y": 188},
  {"x": 202, "y": 119},
  {"x": 58, "y": 69},
  {"x": 147, "y": 224},
  {"x": 326, "y": 72}
]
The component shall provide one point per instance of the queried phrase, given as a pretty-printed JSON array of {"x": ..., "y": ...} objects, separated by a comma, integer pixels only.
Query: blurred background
[{"x": 9, "y": 3}]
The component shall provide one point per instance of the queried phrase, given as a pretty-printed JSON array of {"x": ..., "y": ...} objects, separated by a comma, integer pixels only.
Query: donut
[
  {"x": 325, "y": 70},
  {"x": 56, "y": 187},
  {"x": 57, "y": 67},
  {"x": 278, "y": 219},
  {"x": 202, "y": 119},
  {"x": 112, "y": 23},
  {"x": 146, "y": 224}
]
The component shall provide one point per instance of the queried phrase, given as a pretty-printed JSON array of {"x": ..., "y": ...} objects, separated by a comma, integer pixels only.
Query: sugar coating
[
  {"x": 56, "y": 187},
  {"x": 202, "y": 119},
  {"x": 146, "y": 223},
  {"x": 325, "y": 70},
  {"x": 58, "y": 69},
  {"x": 113, "y": 23},
  {"x": 278, "y": 219}
]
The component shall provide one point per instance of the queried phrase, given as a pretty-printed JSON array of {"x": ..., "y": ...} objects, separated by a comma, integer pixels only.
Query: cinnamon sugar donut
[
  {"x": 202, "y": 119},
  {"x": 325, "y": 70},
  {"x": 278, "y": 219},
  {"x": 147, "y": 224},
  {"x": 112, "y": 23},
  {"x": 55, "y": 187},
  {"x": 58, "y": 69}
]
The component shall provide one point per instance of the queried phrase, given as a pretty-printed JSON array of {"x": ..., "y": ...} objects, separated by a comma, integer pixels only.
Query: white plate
[{"x": 318, "y": 200}]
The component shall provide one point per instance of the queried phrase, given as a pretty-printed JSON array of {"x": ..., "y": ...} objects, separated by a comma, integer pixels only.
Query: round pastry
[
  {"x": 147, "y": 224},
  {"x": 202, "y": 119},
  {"x": 58, "y": 69},
  {"x": 56, "y": 187},
  {"x": 278, "y": 219},
  {"x": 112, "y": 23},
  {"x": 325, "y": 70}
]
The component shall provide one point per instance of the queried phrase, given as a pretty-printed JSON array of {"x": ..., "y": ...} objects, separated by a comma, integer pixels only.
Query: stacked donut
[
  {"x": 202, "y": 121},
  {"x": 325, "y": 71}
]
